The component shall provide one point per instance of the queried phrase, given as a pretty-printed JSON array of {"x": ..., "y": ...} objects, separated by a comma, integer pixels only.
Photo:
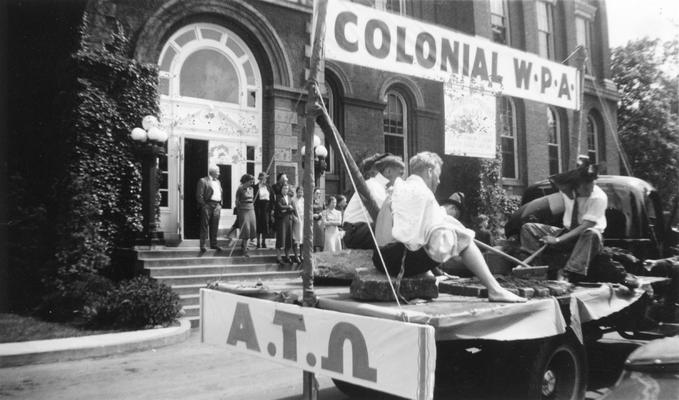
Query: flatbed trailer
[{"x": 530, "y": 350}]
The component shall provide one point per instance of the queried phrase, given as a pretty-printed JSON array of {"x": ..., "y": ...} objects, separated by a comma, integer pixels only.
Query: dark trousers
[
  {"x": 209, "y": 222},
  {"x": 357, "y": 236},
  {"x": 416, "y": 262}
]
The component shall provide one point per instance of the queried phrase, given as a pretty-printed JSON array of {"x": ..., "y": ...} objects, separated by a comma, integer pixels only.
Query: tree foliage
[{"x": 646, "y": 73}]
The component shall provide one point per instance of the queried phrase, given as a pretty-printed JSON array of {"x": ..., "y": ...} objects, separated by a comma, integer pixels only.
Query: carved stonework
[{"x": 203, "y": 118}]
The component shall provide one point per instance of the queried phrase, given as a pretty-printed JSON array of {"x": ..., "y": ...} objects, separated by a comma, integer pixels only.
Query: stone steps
[{"x": 186, "y": 270}]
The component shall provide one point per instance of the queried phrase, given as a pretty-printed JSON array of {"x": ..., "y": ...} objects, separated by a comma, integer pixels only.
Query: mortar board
[
  {"x": 586, "y": 172},
  {"x": 456, "y": 198}
]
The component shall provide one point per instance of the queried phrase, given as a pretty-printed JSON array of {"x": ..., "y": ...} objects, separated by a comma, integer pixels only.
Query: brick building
[{"x": 232, "y": 89}]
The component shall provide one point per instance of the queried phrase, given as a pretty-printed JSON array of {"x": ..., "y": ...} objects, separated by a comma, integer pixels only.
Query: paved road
[{"x": 190, "y": 370}]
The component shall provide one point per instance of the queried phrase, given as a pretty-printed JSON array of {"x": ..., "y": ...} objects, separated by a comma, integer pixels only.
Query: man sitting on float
[
  {"x": 415, "y": 234},
  {"x": 584, "y": 221}
]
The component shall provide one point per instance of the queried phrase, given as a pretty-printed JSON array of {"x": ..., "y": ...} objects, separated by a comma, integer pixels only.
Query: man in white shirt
[
  {"x": 209, "y": 198},
  {"x": 584, "y": 221},
  {"x": 422, "y": 235},
  {"x": 388, "y": 168}
]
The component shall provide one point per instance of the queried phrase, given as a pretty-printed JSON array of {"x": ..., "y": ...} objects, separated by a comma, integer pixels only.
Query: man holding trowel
[{"x": 584, "y": 221}]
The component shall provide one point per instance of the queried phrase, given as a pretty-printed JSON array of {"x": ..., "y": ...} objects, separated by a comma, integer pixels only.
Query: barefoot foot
[{"x": 504, "y": 296}]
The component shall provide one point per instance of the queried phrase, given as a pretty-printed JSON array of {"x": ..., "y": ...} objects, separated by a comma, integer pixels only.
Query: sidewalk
[{"x": 56, "y": 350}]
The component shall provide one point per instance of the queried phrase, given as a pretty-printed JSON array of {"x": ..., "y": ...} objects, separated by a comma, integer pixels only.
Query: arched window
[
  {"x": 210, "y": 63},
  {"x": 592, "y": 139},
  {"x": 395, "y": 117},
  {"x": 553, "y": 141},
  {"x": 508, "y": 138}
]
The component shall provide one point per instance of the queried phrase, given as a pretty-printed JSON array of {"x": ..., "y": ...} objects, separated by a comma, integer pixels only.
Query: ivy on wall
[{"x": 99, "y": 195}]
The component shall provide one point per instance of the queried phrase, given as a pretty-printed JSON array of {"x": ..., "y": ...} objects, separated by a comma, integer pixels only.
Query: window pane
[
  {"x": 249, "y": 75},
  {"x": 250, "y": 153},
  {"x": 580, "y": 33},
  {"x": 164, "y": 86},
  {"x": 393, "y": 145},
  {"x": 167, "y": 59},
  {"x": 163, "y": 198},
  {"x": 186, "y": 37},
  {"x": 552, "y": 128},
  {"x": 497, "y": 7},
  {"x": 543, "y": 24},
  {"x": 235, "y": 48},
  {"x": 211, "y": 34},
  {"x": 553, "y": 159},
  {"x": 508, "y": 158},
  {"x": 207, "y": 74}
]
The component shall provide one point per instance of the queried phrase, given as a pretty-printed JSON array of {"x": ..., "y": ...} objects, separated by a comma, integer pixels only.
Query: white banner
[
  {"x": 364, "y": 36},
  {"x": 469, "y": 123},
  {"x": 390, "y": 356}
]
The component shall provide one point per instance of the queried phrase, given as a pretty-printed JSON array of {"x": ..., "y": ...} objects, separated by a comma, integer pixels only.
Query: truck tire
[
  {"x": 360, "y": 392},
  {"x": 545, "y": 369},
  {"x": 556, "y": 370}
]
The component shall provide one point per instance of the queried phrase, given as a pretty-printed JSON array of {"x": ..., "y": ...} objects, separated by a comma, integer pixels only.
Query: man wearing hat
[
  {"x": 584, "y": 221},
  {"x": 388, "y": 168}
]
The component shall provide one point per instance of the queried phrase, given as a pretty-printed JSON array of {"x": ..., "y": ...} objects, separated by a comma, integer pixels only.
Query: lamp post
[
  {"x": 320, "y": 154},
  {"x": 150, "y": 144}
]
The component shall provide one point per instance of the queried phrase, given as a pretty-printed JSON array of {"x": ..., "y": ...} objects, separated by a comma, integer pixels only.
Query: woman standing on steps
[
  {"x": 263, "y": 208},
  {"x": 298, "y": 224},
  {"x": 332, "y": 220},
  {"x": 284, "y": 212}
]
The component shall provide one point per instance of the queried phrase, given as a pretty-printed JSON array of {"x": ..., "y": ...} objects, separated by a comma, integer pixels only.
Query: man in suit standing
[{"x": 209, "y": 198}]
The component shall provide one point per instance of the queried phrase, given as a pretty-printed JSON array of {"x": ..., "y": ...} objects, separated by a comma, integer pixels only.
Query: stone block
[
  {"x": 340, "y": 266},
  {"x": 465, "y": 287},
  {"x": 526, "y": 292},
  {"x": 371, "y": 285}
]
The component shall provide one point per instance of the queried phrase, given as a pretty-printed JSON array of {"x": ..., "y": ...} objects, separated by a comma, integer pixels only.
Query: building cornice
[
  {"x": 375, "y": 105},
  {"x": 584, "y": 10},
  {"x": 421, "y": 112},
  {"x": 606, "y": 88}
]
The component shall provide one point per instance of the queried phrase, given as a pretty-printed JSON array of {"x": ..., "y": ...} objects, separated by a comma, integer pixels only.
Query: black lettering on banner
[
  {"x": 465, "y": 60},
  {"x": 341, "y": 332},
  {"x": 450, "y": 56},
  {"x": 546, "y": 79},
  {"x": 401, "y": 55},
  {"x": 522, "y": 73},
  {"x": 494, "y": 77},
  {"x": 563, "y": 87},
  {"x": 291, "y": 323},
  {"x": 430, "y": 60},
  {"x": 480, "y": 68},
  {"x": 242, "y": 328},
  {"x": 342, "y": 20},
  {"x": 370, "y": 28}
]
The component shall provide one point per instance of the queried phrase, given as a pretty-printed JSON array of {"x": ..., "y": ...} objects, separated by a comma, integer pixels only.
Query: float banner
[
  {"x": 469, "y": 123},
  {"x": 390, "y": 356},
  {"x": 364, "y": 36}
]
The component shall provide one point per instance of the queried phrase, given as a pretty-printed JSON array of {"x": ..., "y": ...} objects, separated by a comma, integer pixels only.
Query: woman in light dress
[
  {"x": 298, "y": 222},
  {"x": 332, "y": 220}
]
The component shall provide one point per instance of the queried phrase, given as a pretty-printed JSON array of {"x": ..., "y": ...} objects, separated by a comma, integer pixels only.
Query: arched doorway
[{"x": 210, "y": 90}]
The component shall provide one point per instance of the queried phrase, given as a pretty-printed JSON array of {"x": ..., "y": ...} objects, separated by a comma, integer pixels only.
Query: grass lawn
[{"x": 19, "y": 328}]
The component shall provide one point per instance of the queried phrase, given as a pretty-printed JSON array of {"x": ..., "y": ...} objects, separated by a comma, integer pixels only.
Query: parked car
[
  {"x": 651, "y": 372},
  {"x": 635, "y": 216}
]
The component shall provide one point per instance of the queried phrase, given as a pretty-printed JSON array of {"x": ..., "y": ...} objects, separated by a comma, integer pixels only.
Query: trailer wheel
[
  {"x": 556, "y": 370},
  {"x": 360, "y": 392}
]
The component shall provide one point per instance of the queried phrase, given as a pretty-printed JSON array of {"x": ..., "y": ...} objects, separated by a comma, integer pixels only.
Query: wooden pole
[
  {"x": 309, "y": 384},
  {"x": 333, "y": 137}
]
